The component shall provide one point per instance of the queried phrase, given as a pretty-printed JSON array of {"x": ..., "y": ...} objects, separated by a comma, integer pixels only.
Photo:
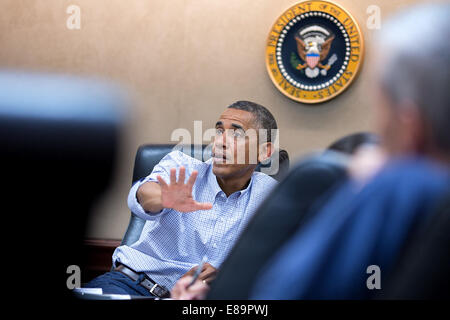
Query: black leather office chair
[
  {"x": 149, "y": 155},
  {"x": 285, "y": 210}
]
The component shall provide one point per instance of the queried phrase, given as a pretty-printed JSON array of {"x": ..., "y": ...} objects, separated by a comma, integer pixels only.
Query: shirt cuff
[{"x": 136, "y": 207}]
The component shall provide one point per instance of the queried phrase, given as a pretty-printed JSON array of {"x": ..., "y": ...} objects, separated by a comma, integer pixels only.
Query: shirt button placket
[{"x": 217, "y": 226}]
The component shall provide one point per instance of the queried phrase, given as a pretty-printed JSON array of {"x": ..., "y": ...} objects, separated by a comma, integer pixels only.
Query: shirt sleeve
[{"x": 174, "y": 159}]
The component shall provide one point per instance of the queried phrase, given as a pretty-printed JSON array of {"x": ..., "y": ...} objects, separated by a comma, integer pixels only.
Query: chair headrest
[{"x": 321, "y": 167}]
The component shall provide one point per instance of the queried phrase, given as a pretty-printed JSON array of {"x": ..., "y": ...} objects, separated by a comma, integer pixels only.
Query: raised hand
[{"x": 178, "y": 195}]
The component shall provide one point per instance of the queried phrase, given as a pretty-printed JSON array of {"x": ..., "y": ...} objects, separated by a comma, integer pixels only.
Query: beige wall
[{"x": 182, "y": 60}]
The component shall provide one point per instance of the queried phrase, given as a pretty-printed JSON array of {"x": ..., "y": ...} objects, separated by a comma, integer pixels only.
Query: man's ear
[
  {"x": 414, "y": 129},
  {"x": 265, "y": 151}
]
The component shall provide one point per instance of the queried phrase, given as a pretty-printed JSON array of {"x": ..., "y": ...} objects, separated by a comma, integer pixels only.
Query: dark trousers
[{"x": 114, "y": 282}]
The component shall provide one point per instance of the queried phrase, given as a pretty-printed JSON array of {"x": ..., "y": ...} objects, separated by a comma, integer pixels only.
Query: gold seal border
[{"x": 325, "y": 94}]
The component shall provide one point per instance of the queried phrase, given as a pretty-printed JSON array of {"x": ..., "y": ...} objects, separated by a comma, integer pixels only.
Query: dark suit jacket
[{"x": 328, "y": 258}]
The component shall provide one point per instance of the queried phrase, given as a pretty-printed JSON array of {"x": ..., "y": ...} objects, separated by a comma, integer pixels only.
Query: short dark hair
[
  {"x": 263, "y": 118},
  {"x": 350, "y": 143}
]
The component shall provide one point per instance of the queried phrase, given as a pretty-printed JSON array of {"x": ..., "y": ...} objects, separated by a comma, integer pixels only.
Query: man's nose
[{"x": 222, "y": 141}]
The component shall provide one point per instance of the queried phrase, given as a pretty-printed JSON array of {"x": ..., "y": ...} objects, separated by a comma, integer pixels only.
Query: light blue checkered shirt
[{"x": 173, "y": 242}]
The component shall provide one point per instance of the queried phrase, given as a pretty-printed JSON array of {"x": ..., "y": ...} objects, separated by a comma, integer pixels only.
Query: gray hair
[
  {"x": 416, "y": 57},
  {"x": 263, "y": 118}
]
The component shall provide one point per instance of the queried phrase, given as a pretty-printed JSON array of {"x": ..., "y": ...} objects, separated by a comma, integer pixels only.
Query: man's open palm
[{"x": 178, "y": 195}]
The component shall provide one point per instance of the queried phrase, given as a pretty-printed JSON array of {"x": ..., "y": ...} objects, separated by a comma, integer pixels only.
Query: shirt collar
[
  {"x": 212, "y": 182},
  {"x": 241, "y": 192}
]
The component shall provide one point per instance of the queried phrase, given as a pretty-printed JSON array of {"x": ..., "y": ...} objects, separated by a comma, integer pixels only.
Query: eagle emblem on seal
[{"x": 313, "y": 45}]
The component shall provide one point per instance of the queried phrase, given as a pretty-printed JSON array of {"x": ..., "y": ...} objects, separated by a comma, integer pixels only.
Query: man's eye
[
  {"x": 239, "y": 133},
  {"x": 219, "y": 131}
]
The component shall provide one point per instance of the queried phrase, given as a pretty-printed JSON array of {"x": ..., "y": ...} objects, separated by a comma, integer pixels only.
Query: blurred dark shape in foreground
[{"x": 58, "y": 144}]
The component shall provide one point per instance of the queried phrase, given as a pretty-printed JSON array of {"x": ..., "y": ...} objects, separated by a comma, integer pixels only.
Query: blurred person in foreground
[{"x": 394, "y": 189}]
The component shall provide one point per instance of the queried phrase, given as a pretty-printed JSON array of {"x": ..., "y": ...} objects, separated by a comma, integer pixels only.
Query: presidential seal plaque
[{"x": 314, "y": 51}]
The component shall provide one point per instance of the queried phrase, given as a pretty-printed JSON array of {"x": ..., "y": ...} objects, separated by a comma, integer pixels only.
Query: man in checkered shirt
[{"x": 199, "y": 214}]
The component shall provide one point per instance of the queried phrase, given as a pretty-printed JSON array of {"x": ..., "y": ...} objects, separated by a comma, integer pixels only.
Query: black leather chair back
[
  {"x": 285, "y": 210},
  {"x": 149, "y": 155}
]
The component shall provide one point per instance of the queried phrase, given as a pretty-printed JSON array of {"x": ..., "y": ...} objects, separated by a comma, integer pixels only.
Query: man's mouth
[{"x": 219, "y": 157}]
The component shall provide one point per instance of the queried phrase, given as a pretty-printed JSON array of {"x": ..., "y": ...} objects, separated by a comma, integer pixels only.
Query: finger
[
  {"x": 210, "y": 278},
  {"x": 181, "y": 175},
  {"x": 179, "y": 290},
  {"x": 161, "y": 182},
  {"x": 193, "y": 205},
  {"x": 184, "y": 282},
  {"x": 197, "y": 291},
  {"x": 207, "y": 265},
  {"x": 173, "y": 176},
  {"x": 192, "y": 178},
  {"x": 202, "y": 205},
  {"x": 179, "y": 287},
  {"x": 207, "y": 268},
  {"x": 208, "y": 275}
]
